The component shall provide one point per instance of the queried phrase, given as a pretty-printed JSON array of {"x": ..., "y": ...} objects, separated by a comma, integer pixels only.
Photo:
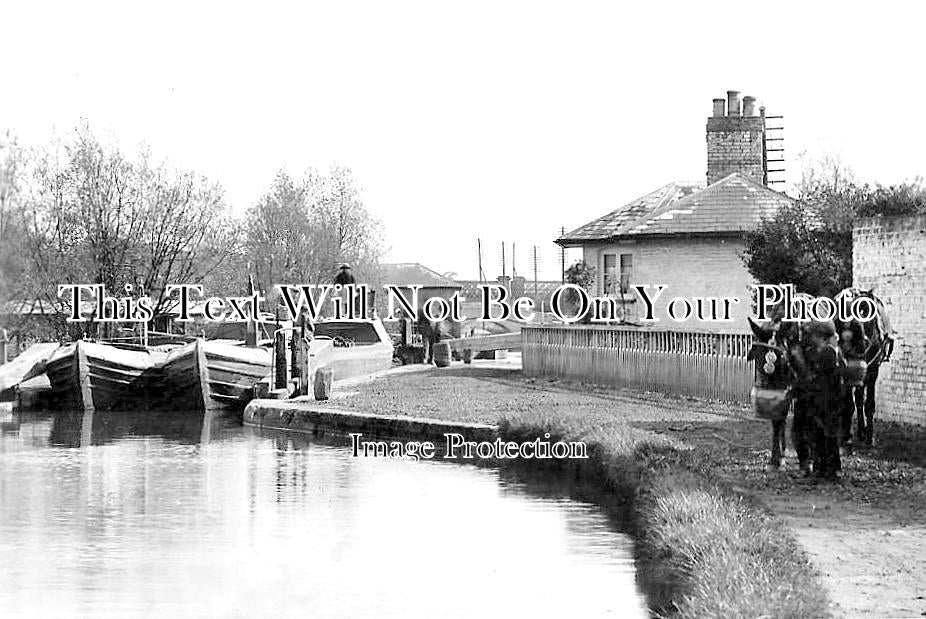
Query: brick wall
[
  {"x": 734, "y": 144},
  {"x": 889, "y": 255},
  {"x": 689, "y": 267}
]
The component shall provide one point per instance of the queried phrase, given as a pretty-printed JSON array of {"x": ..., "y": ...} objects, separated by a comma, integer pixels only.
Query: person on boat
[{"x": 345, "y": 276}]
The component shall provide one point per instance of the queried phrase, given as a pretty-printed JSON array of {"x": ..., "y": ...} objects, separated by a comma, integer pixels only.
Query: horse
[
  {"x": 780, "y": 367},
  {"x": 773, "y": 380},
  {"x": 871, "y": 341}
]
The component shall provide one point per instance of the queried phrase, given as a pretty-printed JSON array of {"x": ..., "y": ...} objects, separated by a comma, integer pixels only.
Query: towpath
[{"x": 866, "y": 534}]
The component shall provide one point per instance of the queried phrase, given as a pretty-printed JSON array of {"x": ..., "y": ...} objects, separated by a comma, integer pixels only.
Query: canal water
[{"x": 121, "y": 515}]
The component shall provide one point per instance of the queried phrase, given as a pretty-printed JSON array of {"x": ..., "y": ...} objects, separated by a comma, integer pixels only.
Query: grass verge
[{"x": 702, "y": 550}]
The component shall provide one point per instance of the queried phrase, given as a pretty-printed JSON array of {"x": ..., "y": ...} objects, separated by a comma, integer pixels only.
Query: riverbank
[
  {"x": 866, "y": 535},
  {"x": 705, "y": 547}
]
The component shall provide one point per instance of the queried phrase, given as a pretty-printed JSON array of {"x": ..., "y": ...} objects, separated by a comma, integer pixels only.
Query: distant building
[
  {"x": 687, "y": 236},
  {"x": 411, "y": 273},
  {"x": 518, "y": 286},
  {"x": 433, "y": 284}
]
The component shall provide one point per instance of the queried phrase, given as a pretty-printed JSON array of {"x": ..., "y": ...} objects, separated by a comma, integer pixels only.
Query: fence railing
[{"x": 704, "y": 365}]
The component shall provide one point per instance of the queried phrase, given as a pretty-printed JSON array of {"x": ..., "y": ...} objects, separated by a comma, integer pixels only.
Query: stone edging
[{"x": 310, "y": 417}]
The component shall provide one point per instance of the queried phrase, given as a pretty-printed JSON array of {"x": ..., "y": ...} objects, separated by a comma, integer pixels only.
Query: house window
[
  {"x": 609, "y": 273},
  {"x": 626, "y": 270}
]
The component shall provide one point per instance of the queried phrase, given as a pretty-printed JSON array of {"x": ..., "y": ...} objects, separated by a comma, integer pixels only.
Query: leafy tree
[
  {"x": 278, "y": 242},
  {"x": 581, "y": 274},
  {"x": 344, "y": 230},
  {"x": 809, "y": 244},
  {"x": 300, "y": 231}
]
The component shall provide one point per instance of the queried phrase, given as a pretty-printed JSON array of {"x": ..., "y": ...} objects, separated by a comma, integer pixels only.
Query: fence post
[{"x": 4, "y": 343}]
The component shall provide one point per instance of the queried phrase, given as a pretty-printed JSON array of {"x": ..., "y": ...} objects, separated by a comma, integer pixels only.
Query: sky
[{"x": 499, "y": 121}]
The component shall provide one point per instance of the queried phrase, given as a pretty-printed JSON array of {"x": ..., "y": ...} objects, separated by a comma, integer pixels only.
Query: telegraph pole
[
  {"x": 503, "y": 259},
  {"x": 479, "y": 249},
  {"x": 562, "y": 254},
  {"x": 535, "y": 271}
]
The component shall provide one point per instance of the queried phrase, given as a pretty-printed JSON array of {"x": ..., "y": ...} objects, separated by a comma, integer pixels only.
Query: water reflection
[
  {"x": 121, "y": 514},
  {"x": 79, "y": 429}
]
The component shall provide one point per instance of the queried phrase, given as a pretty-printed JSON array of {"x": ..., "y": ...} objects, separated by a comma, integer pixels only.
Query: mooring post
[
  {"x": 295, "y": 361},
  {"x": 306, "y": 333},
  {"x": 280, "y": 374},
  {"x": 4, "y": 343},
  {"x": 250, "y": 333},
  {"x": 279, "y": 360}
]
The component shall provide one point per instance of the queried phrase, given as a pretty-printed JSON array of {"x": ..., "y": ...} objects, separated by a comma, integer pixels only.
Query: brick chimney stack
[{"x": 735, "y": 139}]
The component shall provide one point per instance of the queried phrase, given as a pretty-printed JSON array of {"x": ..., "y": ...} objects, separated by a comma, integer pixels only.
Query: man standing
[
  {"x": 344, "y": 277},
  {"x": 427, "y": 338},
  {"x": 826, "y": 396}
]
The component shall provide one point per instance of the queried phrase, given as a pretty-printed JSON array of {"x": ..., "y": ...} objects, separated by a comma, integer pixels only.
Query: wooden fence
[{"x": 704, "y": 365}]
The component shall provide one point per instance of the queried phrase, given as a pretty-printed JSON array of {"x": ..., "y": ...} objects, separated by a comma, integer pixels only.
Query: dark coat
[{"x": 344, "y": 278}]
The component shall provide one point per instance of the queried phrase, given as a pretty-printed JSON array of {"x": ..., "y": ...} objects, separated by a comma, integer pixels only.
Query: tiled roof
[
  {"x": 618, "y": 222},
  {"x": 412, "y": 273},
  {"x": 734, "y": 204}
]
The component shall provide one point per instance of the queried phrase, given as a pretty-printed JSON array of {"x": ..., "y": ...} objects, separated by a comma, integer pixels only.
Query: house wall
[
  {"x": 689, "y": 267},
  {"x": 889, "y": 255}
]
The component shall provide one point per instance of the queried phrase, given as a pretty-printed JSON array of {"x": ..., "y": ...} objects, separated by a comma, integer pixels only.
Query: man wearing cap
[
  {"x": 344, "y": 276},
  {"x": 822, "y": 386}
]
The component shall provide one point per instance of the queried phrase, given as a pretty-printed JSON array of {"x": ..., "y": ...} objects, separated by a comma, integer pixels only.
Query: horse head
[
  {"x": 769, "y": 353},
  {"x": 870, "y": 340}
]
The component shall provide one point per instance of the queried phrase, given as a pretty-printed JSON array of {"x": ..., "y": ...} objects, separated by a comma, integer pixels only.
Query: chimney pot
[
  {"x": 733, "y": 103},
  {"x": 720, "y": 106},
  {"x": 749, "y": 106}
]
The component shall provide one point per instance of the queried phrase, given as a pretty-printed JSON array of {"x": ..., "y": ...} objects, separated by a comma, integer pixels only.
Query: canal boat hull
[
  {"x": 209, "y": 375},
  {"x": 90, "y": 376}
]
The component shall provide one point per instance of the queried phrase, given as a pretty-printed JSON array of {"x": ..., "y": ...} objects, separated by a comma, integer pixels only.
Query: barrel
[
  {"x": 770, "y": 403},
  {"x": 323, "y": 379},
  {"x": 855, "y": 372},
  {"x": 442, "y": 354}
]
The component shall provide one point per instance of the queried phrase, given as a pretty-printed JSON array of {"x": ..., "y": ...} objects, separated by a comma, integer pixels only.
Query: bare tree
[
  {"x": 186, "y": 233},
  {"x": 11, "y": 262},
  {"x": 94, "y": 216}
]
